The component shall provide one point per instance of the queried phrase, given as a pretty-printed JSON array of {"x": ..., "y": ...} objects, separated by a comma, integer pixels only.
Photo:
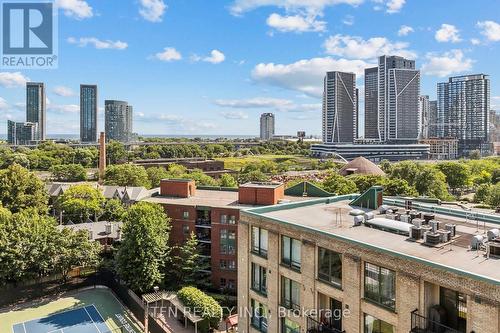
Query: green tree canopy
[
  {"x": 126, "y": 175},
  {"x": 494, "y": 196},
  {"x": 116, "y": 153},
  {"x": 457, "y": 174},
  {"x": 226, "y": 180},
  {"x": 364, "y": 182},
  {"x": 142, "y": 255},
  {"x": 337, "y": 184},
  {"x": 68, "y": 172},
  {"x": 401, "y": 187},
  {"x": 156, "y": 174},
  {"x": 80, "y": 203},
  {"x": 21, "y": 189},
  {"x": 114, "y": 210}
]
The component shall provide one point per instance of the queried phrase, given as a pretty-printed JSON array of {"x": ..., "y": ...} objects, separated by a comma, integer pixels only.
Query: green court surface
[{"x": 114, "y": 314}]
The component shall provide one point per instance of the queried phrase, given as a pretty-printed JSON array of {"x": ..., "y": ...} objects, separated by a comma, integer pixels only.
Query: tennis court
[{"x": 83, "y": 320}]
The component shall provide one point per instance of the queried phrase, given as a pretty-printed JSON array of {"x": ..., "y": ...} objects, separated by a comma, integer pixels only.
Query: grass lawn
[
  {"x": 236, "y": 163},
  {"x": 104, "y": 300}
]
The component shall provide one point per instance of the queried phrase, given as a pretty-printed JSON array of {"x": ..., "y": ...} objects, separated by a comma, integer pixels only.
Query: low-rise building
[
  {"x": 442, "y": 149},
  {"x": 328, "y": 265},
  {"x": 372, "y": 151}
]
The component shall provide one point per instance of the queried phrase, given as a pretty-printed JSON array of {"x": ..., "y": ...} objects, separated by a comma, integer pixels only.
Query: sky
[{"x": 198, "y": 67}]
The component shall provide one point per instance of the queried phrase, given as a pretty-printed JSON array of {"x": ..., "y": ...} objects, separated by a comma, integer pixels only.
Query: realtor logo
[{"x": 29, "y": 38}]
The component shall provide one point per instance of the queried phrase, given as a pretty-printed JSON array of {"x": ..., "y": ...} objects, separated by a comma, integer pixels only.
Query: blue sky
[{"x": 212, "y": 67}]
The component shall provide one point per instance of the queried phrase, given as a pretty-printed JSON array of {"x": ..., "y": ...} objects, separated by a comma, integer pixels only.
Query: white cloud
[
  {"x": 3, "y": 104},
  {"x": 215, "y": 57},
  {"x": 78, "y": 9},
  {"x": 475, "y": 41},
  {"x": 63, "y": 91},
  {"x": 257, "y": 102},
  {"x": 490, "y": 29},
  {"x": 447, "y": 33},
  {"x": 12, "y": 79},
  {"x": 152, "y": 10},
  {"x": 168, "y": 54},
  {"x": 312, "y": 6},
  {"x": 306, "y": 75},
  {"x": 234, "y": 115},
  {"x": 394, "y": 6},
  {"x": 348, "y": 20},
  {"x": 354, "y": 47},
  {"x": 404, "y": 30},
  {"x": 445, "y": 64},
  {"x": 295, "y": 23},
  {"x": 97, "y": 43}
]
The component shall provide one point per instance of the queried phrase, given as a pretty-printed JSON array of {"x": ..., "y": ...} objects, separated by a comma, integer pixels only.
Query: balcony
[
  {"x": 203, "y": 222},
  {"x": 314, "y": 326},
  {"x": 421, "y": 324}
]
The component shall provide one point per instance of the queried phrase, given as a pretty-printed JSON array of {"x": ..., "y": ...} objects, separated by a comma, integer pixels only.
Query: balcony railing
[
  {"x": 314, "y": 326},
  {"x": 203, "y": 222},
  {"x": 421, "y": 324}
]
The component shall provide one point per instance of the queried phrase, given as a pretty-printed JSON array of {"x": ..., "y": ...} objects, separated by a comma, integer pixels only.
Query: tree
[
  {"x": 68, "y": 173},
  {"x": 495, "y": 176},
  {"x": 431, "y": 182},
  {"x": 457, "y": 174},
  {"x": 483, "y": 193},
  {"x": 80, "y": 203},
  {"x": 200, "y": 178},
  {"x": 337, "y": 184},
  {"x": 494, "y": 197},
  {"x": 475, "y": 154},
  {"x": 115, "y": 152},
  {"x": 126, "y": 175},
  {"x": 364, "y": 182},
  {"x": 203, "y": 304},
  {"x": 156, "y": 174},
  {"x": 185, "y": 262},
  {"x": 252, "y": 176},
  {"x": 21, "y": 189},
  {"x": 226, "y": 180},
  {"x": 113, "y": 210},
  {"x": 142, "y": 255},
  {"x": 395, "y": 187},
  {"x": 407, "y": 170}
]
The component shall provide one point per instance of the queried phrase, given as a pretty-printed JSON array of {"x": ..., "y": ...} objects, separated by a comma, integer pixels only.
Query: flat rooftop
[
  {"x": 333, "y": 219},
  {"x": 212, "y": 198}
]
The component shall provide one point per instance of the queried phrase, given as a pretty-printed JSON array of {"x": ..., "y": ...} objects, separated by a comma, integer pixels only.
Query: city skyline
[{"x": 234, "y": 85}]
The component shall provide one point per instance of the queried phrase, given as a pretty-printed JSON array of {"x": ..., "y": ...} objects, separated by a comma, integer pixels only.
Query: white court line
[
  {"x": 24, "y": 328},
  {"x": 100, "y": 315},
  {"x": 97, "y": 328}
]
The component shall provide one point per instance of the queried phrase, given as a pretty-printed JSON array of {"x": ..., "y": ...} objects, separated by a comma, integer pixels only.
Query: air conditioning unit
[
  {"x": 358, "y": 220},
  {"x": 493, "y": 234},
  {"x": 416, "y": 233},
  {"x": 445, "y": 235},
  {"x": 476, "y": 242},
  {"x": 427, "y": 217},
  {"x": 452, "y": 228},
  {"x": 432, "y": 238},
  {"x": 405, "y": 218},
  {"x": 417, "y": 222},
  {"x": 369, "y": 216},
  {"x": 434, "y": 225}
]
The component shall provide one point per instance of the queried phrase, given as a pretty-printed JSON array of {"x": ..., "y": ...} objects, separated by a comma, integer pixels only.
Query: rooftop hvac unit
[
  {"x": 434, "y": 225},
  {"x": 390, "y": 216},
  {"x": 432, "y": 238},
  {"x": 417, "y": 222},
  {"x": 405, "y": 218},
  {"x": 493, "y": 234},
  {"x": 358, "y": 220},
  {"x": 356, "y": 212},
  {"x": 109, "y": 228},
  {"x": 414, "y": 214},
  {"x": 476, "y": 242},
  {"x": 383, "y": 209},
  {"x": 416, "y": 232},
  {"x": 427, "y": 217},
  {"x": 452, "y": 228},
  {"x": 394, "y": 209},
  {"x": 445, "y": 235},
  {"x": 369, "y": 216}
]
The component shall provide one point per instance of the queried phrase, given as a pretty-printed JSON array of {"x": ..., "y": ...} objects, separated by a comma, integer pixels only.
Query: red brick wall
[
  {"x": 175, "y": 212},
  {"x": 260, "y": 195},
  {"x": 177, "y": 188}
]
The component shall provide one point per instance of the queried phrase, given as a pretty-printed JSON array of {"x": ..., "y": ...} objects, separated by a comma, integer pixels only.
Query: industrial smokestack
[{"x": 102, "y": 157}]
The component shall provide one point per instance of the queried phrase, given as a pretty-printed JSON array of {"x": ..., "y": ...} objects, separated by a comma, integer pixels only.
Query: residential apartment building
[
  {"x": 441, "y": 148},
  {"x": 213, "y": 215},
  {"x": 340, "y": 108},
  {"x": 398, "y": 90},
  {"x": 463, "y": 107},
  {"x": 434, "y": 120},
  {"x": 21, "y": 133},
  {"x": 118, "y": 120},
  {"x": 424, "y": 110},
  {"x": 36, "y": 111},
  {"x": 326, "y": 265},
  {"x": 88, "y": 113},
  {"x": 267, "y": 123},
  {"x": 371, "y": 103}
]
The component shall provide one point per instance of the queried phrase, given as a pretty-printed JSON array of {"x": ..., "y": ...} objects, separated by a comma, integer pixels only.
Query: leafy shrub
[{"x": 202, "y": 304}]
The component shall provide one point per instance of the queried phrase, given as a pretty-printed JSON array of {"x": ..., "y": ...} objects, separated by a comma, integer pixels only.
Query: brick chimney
[
  {"x": 102, "y": 157},
  {"x": 181, "y": 188},
  {"x": 261, "y": 193}
]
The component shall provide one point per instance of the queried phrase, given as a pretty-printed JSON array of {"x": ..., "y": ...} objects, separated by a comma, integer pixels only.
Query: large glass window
[
  {"x": 259, "y": 279},
  {"x": 227, "y": 241},
  {"x": 290, "y": 293},
  {"x": 374, "y": 325},
  {"x": 380, "y": 285},
  {"x": 330, "y": 267},
  {"x": 290, "y": 252},
  {"x": 259, "y": 241},
  {"x": 259, "y": 316},
  {"x": 288, "y": 326}
]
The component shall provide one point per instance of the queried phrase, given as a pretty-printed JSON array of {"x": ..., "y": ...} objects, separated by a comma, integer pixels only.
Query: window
[
  {"x": 374, "y": 325},
  {"x": 330, "y": 267},
  {"x": 222, "y": 283},
  {"x": 380, "y": 285},
  {"x": 185, "y": 230},
  {"x": 185, "y": 215},
  {"x": 223, "y": 219},
  {"x": 228, "y": 264},
  {"x": 290, "y": 252},
  {"x": 259, "y": 241},
  {"x": 290, "y": 293},
  {"x": 259, "y": 279},
  {"x": 259, "y": 316},
  {"x": 232, "y": 219},
  {"x": 288, "y": 326},
  {"x": 231, "y": 284},
  {"x": 223, "y": 264},
  {"x": 227, "y": 241}
]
